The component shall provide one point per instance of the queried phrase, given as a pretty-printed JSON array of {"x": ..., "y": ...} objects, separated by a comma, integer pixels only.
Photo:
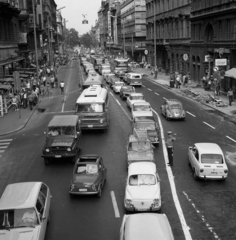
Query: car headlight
[
  {"x": 68, "y": 149},
  {"x": 128, "y": 201},
  {"x": 95, "y": 187},
  {"x": 101, "y": 120},
  {"x": 72, "y": 186},
  {"x": 47, "y": 150},
  {"x": 156, "y": 201}
]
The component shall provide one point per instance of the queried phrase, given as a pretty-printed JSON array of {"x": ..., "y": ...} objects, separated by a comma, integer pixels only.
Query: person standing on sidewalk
[
  {"x": 230, "y": 96},
  {"x": 25, "y": 99},
  {"x": 52, "y": 80},
  {"x": 31, "y": 101},
  {"x": 14, "y": 102},
  {"x": 170, "y": 147},
  {"x": 62, "y": 86}
]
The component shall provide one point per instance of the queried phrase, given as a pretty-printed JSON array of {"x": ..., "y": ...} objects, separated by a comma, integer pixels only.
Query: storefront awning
[
  {"x": 231, "y": 73},
  {"x": 5, "y": 87},
  {"x": 11, "y": 61}
]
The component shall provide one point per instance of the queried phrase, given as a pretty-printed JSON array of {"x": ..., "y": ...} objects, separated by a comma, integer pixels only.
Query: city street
[{"x": 208, "y": 207}]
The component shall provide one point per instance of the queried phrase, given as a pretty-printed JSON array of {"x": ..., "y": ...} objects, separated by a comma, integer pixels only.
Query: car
[
  {"x": 139, "y": 148},
  {"x": 63, "y": 138},
  {"x": 89, "y": 176},
  {"x": 134, "y": 64},
  {"x": 25, "y": 211},
  {"x": 139, "y": 109},
  {"x": 125, "y": 91},
  {"x": 142, "y": 191},
  {"x": 117, "y": 86},
  {"x": 141, "y": 226},
  {"x": 207, "y": 161},
  {"x": 107, "y": 76},
  {"x": 134, "y": 79},
  {"x": 134, "y": 97},
  {"x": 112, "y": 80},
  {"x": 173, "y": 109},
  {"x": 149, "y": 126},
  {"x": 125, "y": 76}
]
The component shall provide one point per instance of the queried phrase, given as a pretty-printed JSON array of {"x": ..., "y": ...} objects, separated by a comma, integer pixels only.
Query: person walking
[
  {"x": 44, "y": 80},
  {"x": 31, "y": 101},
  {"x": 14, "y": 102},
  {"x": 25, "y": 99},
  {"x": 230, "y": 96},
  {"x": 170, "y": 146},
  {"x": 52, "y": 80},
  {"x": 62, "y": 86}
]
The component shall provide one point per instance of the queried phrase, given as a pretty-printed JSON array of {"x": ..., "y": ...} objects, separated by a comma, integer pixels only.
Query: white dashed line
[
  {"x": 6, "y": 143},
  {"x": 118, "y": 102},
  {"x": 2, "y": 151},
  {"x": 164, "y": 98},
  {"x": 111, "y": 94},
  {"x": 149, "y": 89},
  {"x": 231, "y": 139},
  {"x": 190, "y": 114},
  {"x": 6, "y": 140},
  {"x": 114, "y": 203},
  {"x": 2, "y": 147},
  {"x": 157, "y": 94},
  {"x": 185, "y": 227},
  {"x": 143, "y": 86},
  {"x": 209, "y": 125}
]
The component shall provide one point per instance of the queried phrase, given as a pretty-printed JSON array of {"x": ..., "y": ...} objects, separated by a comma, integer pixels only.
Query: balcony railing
[{"x": 13, "y": 3}]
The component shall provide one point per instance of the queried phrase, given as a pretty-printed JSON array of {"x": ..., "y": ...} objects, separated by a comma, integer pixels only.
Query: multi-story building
[
  {"x": 173, "y": 34},
  {"x": 213, "y": 26},
  {"x": 59, "y": 34}
]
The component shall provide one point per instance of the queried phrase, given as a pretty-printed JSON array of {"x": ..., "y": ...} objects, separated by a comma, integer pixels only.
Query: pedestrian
[
  {"x": 56, "y": 82},
  {"x": 178, "y": 83},
  {"x": 44, "y": 80},
  {"x": 52, "y": 80},
  {"x": 217, "y": 92},
  {"x": 49, "y": 90},
  {"x": 14, "y": 102},
  {"x": 42, "y": 89},
  {"x": 48, "y": 71},
  {"x": 170, "y": 147},
  {"x": 31, "y": 101},
  {"x": 25, "y": 99},
  {"x": 155, "y": 72},
  {"x": 27, "y": 84},
  {"x": 62, "y": 85},
  {"x": 230, "y": 96}
]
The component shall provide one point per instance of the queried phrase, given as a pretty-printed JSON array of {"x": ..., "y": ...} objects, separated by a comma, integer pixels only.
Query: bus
[
  {"x": 120, "y": 64},
  {"x": 92, "y": 107},
  {"x": 94, "y": 79}
]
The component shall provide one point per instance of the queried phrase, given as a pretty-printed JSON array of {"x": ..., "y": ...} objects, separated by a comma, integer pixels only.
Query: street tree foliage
[
  {"x": 72, "y": 37},
  {"x": 89, "y": 40}
]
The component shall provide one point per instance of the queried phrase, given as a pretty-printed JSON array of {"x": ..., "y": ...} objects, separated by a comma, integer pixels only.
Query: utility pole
[
  {"x": 132, "y": 47},
  {"x": 155, "y": 39}
]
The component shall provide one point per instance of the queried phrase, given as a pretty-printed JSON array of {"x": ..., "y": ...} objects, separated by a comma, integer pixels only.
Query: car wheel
[
  {"x": 47, "y": 161},
  {"x": 99, "y": 192},
  {"x": 195, "y": 175}
]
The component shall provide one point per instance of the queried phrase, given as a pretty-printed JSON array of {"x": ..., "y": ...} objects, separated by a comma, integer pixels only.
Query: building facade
[{"x": 172, "y": 34}]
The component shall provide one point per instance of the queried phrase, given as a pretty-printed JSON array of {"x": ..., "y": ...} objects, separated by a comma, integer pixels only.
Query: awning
[
  {"x": 5, "y": 87},
  {"x": 11, "y": 61},
  {"x": 231, "y": 73}
]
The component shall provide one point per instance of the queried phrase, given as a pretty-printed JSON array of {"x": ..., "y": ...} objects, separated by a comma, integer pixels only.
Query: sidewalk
[{"x": 195, "y": 92}]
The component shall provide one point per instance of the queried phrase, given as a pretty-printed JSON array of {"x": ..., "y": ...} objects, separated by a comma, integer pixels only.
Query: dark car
[
  {"x": 89, "y": 176},
  {"x": 63, "y": 138},
  {"x": 125, "y": 91}
]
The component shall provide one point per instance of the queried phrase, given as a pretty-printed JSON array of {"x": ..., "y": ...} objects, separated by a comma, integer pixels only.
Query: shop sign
[
  {"x": 221, "y": 51},
  {"x": 208, "y": 58},
  {"x": 109, "y": 22},
  {"x": 221, "y": 62}
]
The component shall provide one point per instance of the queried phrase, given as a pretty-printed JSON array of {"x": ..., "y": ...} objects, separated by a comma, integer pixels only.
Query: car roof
[
  {"x": 87, "y": 158},
  {"x": 20, "y": 195},
  {"x": 133, "y": 73},
  {"x": 141, "y": 103},
  {"x": 173, "y": 101},
  {"x": 136, "y": 94},
  {"x": 142, "y": 168},
  {"x": 65, "y": 120},
  {"x": 149, "y": 226},
  {"x": 208, "y": 148}
]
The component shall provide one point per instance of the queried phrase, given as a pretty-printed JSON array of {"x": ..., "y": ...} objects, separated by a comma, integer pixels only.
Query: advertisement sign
[
  {"x": 221, "y": 62},
  {"x": 109, "y": 22},
  {"x": 208, "y": 58}
]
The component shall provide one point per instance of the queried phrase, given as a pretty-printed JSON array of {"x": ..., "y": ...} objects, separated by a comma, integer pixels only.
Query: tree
[
  {"x": 89, "y": 40},
  {"x": 72, "y": 37}
]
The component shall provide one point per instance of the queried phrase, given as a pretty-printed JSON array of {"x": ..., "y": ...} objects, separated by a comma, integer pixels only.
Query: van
[
  {"x": 63, "y": 138},
  {"x": 134, "y": 79},
  {"x": 24, "y": 211}
]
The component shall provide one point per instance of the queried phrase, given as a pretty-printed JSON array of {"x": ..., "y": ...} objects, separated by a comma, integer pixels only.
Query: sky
[{"x": 73, "y": 13}]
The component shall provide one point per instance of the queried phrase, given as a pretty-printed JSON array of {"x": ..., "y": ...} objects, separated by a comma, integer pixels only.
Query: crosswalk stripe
[
  {"x": 6, "y": 140},
  {"x": 1, "y": 144},
  {"x": 2, "y": 151},
  {"x": 3, "y": 147}
]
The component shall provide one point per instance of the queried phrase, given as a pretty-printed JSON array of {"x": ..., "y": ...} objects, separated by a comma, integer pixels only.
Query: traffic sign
[
  {"x": 185, "y": 57},
  {"x": 146, "y": 52}
]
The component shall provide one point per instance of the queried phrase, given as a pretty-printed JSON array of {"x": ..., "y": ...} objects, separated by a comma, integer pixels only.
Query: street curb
[
  {"x": 167, "y": 87},
  {"x": 21, "y": 127}
]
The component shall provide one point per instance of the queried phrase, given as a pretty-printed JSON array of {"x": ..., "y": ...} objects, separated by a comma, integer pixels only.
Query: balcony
[{"x": 24, "y": 15}]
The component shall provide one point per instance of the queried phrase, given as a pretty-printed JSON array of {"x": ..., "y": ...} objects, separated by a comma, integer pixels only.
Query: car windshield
[
  {"x": 58, "y": 130},
  {"x": 26, "y": 217},
  {"x": 141, "y": 108},
  {"x": 145, "y": 125},
  {"x": 139, "y": 146},
  {"x": 87, "y": 168},
  {"x": 90, "y": 108},
  {"x": 128, "y": 89},
  {"x": 136, "y": 97},
  {"x": 142, "y": 179},
  {"x": 175, "y": 106},
  {"x": 119, "y": 84},
  {"x": 212, "y": 158}
]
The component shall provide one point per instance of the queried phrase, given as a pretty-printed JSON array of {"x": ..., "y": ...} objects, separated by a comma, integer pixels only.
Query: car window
[
  {"x": 142, "y": 179},
  {"x": 212, "y": 158},
  {"x": 40, "y": 207},
  {"x": 87, "y": 168},
  {"x": 68, "y": 130},
  {"x": 141, "y": 108},
  {"x": 44, "y": 190},
  {"x": 139, "y": 146},
  {"x": 175, "y": 106}
]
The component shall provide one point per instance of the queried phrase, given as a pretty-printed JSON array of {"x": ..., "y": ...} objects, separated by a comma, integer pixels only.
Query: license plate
[
  {"x": 83, "y": 190},
  {"x": 214, "y": 172},
  {"x": 90, "y": 126},
  {"x": 57, "y": 156}
]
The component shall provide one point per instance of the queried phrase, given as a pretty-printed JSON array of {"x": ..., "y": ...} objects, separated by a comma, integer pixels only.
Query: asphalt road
[{"x": 208, "y": 206}]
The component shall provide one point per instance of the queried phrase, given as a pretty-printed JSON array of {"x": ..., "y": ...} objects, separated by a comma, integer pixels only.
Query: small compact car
[
  {"x": 139, "y": 109},
  {"x": 140, "y": 225},
  {"x": 24, "y": 211},
  {"x": 134, "y": 79},
  {"x": 173, "y": 109},
  {"x": 134, "y": 97},
  {"x": 139, "y": 148},
  {"x": 143, "y": 192},
  {"x": 117, "y": 86},
  {"x": 63, "y": 138},
  {"x": 126, "y": 75},
  {"x": 89, "y": 176},
  {"x": 107, "y": 76},
  {"x": 125, "y": 91},
  {"x": 207, "y": 161},
  {"x": 112, "y": 80}
]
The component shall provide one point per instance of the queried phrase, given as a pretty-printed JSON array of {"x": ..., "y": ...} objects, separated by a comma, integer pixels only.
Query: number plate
[
  {"x": 83, "y": 190},
  {"x": 90, "y": 126},
  {"x": 57, "y": 156},
  {"x": 214, "y": 172}
]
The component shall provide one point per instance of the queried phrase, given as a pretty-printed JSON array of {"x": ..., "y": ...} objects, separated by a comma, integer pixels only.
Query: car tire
[
  {"x": 46, "y": 161},
  {"x": 99, "y": 194},
  {"x": 195, "y": 175}
]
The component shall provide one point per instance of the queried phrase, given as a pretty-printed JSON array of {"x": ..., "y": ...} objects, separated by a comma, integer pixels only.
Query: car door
[
  {"x": 128, "y": 101},
  {"x": 104, "y": 170}
]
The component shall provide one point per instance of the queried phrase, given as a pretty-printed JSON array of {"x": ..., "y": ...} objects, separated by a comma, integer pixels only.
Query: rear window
[
  {"x": 212, "y": 158},
  {"x": 90, "y": 108},
  {"x": 136, "y": 98},
  {"x": 87, "y": 169},
  {"x": 142, "y": 179},
  {"x": 136, "y": 77},
  {"x": 175, "y": 106}
]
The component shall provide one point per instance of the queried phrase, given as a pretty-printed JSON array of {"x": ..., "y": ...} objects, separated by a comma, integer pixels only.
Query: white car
[
  {"x": 117, "y": 86},
  {"x": 107, "y": 76},
  {"x": 24, "y": 211},
  {"x": 143, "y": 192},
  {"x": 134, "y": 97},
  {"x": 207, "y": 161},
  {"x": 140, "y": 109}
]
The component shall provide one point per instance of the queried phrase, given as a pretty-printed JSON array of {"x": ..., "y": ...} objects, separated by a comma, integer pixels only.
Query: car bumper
[
  {"x": 59, "y": 155},
  {"x": 135, "y": 84},
  {"x": 91, "y": 127},
  {"x": 83, "y": 193},
  {"x": 133, "y": 209},
  {"x": 213, "y": 177}
]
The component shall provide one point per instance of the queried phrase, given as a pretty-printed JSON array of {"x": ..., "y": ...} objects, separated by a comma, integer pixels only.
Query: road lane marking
[
  {"x": 165, "y": 98},
  {"x": 190, "y": 114},
  {"x": 3, "y": 147},
  {"x": 6, "y": 143},
  {"x": 115, "y": 206},
  {"x": 231, "y": 139},
  {"x": 149, "y": 89},
  {"x": 185, "y": 227},
  {"x": 143, "y": 85},
  {"x": 118, "y": 102},
  {"x": 157, "y": 94},
  {"x": 60, "y": 112},
  {"x": 111, "y": 94},
  {"x": 209, "y": 125},
  {"x": 2, "y": 151},
  {"x": 6, "y": 140}
]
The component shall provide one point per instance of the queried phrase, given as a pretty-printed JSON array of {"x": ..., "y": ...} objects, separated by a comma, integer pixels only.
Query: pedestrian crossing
[{"x": 4, "y": 143}]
